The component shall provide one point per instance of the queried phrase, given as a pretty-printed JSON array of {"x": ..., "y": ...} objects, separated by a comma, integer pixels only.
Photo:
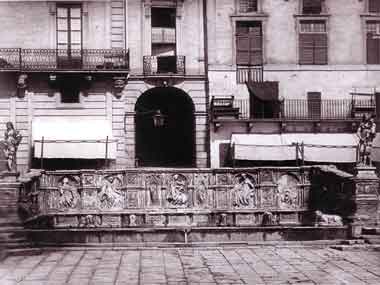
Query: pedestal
[
  {"x": 9, "y": 189},
  {"x": 365, "y": 196}
]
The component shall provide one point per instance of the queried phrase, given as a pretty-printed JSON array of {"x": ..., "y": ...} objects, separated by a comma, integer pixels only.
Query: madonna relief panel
[
  {"x": 287, "y": 191},
  {"x": 244, "y": 193}
]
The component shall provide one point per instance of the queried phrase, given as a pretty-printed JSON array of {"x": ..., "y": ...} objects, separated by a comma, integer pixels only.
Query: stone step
[
  {"x": 372, "y": 239},
  {"x": 371, "y": 231}
]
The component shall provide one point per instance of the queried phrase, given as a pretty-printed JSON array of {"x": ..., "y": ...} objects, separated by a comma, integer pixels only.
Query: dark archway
[{"x": 173, "y": 144}]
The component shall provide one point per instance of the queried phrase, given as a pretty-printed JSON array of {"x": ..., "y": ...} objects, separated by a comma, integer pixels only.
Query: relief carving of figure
[
  {"x": 287, "y": 191},
  {"x": 12, "y": 139},
  {"x": 178, "y": 193},
  {"x": 243, "y": 194},
  {"x": 68, "y": 195},
  {"x": 200, "y": 188},
  {"x": 153, "y": 187},
  {"x": 109, "y": 195},
  {"x": 366, "y": 133}
]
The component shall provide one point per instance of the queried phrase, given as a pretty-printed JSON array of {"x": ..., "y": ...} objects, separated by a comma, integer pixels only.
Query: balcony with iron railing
[
  {"x": 63, "y": 60},
  {"x": 303, "y": 110},
  {"x": 164, "y": 65}
]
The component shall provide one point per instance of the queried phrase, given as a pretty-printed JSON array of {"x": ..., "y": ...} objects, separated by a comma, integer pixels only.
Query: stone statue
[
  {"x": 322, "y": 219},
  {"x": 12, "y": 139},
  {"x": 366, "y": 133}
]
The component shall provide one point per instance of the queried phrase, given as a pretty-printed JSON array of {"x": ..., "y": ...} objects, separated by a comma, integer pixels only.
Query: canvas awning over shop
[
  {"x": 338, "y": 148},
  {"x": 73, "y": 138}
]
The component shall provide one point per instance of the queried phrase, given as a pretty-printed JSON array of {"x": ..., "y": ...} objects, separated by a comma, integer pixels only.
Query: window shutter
[
  {"x": 374, "y": 6},
  {"x": 247, "y": 6},
  {"x": 373, "y": 49},
  {"x": 306, "y": 48},
  {"x": 256, "y": 45},
  {"x": 314, "y": 104},
  {"x": 242, "y": 49},
  {"x": 320, "y": 48},
  {"x": 312, "y": 7}
]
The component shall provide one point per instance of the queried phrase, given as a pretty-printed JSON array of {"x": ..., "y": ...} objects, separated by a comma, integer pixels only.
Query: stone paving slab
[{"x": 205, "y": 266}]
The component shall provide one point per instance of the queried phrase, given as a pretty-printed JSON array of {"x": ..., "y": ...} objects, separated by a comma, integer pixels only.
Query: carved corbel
[
  {"x": 179, "y": 8},
  {"x": 317, "y": 127},
  {"x": 147, "y": 8},
  {"x": 249, "y": 127},
  {"x": 22, "y": 84},
  {"x": 217, "y": 125},
  {"x": 119, "y": 83}
]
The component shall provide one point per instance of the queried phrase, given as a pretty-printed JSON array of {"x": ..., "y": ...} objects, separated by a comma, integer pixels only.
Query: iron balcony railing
[
  {"x": 301, "y": 109},
  {"x": 172, "y": 64},
  {"x": 253, "y": 73},
  {"x": 63, "y": 59}
]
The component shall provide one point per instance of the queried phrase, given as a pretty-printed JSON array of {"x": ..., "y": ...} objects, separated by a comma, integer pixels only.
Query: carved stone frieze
[
  {"x": 244, "y": 192},
  {"x": 89, "y": 221},
  {"x": 110, "y": 195},
  {"x": 200, "y": 190},
  {"x": 153, "y": 186},
  {"x": 287, "y": 192},
  {"x": 178, "y": 192}
]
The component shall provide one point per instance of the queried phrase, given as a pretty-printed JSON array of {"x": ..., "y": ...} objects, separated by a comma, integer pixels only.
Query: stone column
[{"x": 365, "y": 196}]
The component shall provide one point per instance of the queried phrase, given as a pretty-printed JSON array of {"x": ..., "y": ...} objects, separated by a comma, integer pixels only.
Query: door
[{"x": 69, "y": 36}]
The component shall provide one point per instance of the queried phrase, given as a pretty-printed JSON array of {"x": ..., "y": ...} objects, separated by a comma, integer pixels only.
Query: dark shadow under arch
[{"x": 173, "y": 144}]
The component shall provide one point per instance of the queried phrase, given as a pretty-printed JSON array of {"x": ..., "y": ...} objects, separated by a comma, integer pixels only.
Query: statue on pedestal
[
  {"x": 366, "y": 133},
  {"x": 12, "y": 139}
]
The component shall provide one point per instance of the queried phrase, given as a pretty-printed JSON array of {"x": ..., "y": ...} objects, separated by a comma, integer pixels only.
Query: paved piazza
[{"x": 245, "y": 265}]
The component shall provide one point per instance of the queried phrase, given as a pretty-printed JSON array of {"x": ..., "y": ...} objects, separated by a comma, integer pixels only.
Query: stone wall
[{"x": 160, "y": 198}]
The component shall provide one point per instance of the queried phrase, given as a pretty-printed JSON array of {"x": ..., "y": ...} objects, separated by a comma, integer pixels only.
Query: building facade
[{"x": 129, "y": 83}]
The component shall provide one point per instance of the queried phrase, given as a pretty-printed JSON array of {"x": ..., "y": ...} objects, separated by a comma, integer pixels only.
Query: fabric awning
[
  {"x": 334, "y": 147},
  {"x": 73, "y": 138},
  {"x": 265, "y": 91}
]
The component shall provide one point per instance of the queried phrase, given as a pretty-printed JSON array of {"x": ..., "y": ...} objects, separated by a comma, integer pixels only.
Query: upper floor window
[
  {"x": 246, "y": 6},
  {"x": 313, "y": 42},
  {"x": 249, "y": 43},
  {"x": 312, "y": 6},
  {"x": 373, "y": 42},
  {"x": 374, "y": 6}
]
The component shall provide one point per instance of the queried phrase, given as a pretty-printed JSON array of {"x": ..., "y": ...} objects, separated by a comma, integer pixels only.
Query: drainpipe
[{"x": 207, "y": 83}]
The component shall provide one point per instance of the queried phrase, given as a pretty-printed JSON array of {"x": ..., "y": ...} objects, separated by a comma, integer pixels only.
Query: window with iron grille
[
  {"x": 249, "y": 49},
  {"x": 313, "y": 42},
  {"x": 246, "y": 6},
  {"x": 312, "y": 6},
  {"x": 373, "y": 42},
  {"x": 374, "y": 6}
]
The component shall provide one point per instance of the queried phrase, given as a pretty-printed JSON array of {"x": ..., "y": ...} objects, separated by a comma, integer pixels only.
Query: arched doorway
[{"x": 169, "y": 145}]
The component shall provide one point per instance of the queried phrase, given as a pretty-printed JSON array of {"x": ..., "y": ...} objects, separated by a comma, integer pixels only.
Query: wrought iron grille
[
  {"x": 164, "y": 65},
  {"x": 63, "y": 59}
]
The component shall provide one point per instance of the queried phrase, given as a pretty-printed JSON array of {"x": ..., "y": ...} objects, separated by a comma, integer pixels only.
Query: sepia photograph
[{"x": 188, "y": 142}]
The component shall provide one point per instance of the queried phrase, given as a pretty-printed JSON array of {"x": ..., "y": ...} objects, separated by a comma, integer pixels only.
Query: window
[
  {"x": 313, "y": 42},
  {"x": 314, "y": 104},
  {"x": 373, "y": 42},
  {"x": 249, "y": 49},
  {"x": 374, "y": 6},
  {"x": 69, "y": 35},
  {"x": 246, "y": 6},
  {"x": 312, "y": 7}
]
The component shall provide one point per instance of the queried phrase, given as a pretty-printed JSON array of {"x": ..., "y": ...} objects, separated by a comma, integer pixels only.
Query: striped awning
[
  {"x": 73, "y": 138},
  {"x": 332, "y": 147}
]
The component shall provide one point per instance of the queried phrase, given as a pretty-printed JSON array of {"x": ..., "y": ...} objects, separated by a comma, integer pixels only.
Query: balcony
[
  {"x": 164, "y": 65},
  {"x": 58, "y": 60},
  {"x": 301, "y": 109},
  {"x": 253, "y": 73},
  {"x": 163, "y": 35}
]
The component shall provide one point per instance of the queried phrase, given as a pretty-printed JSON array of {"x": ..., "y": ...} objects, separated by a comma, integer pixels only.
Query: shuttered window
[
  {"x": 312, "y": 7},
  {"x": 246, "y": 6},
  {"x": 374, "y": 6},
  {"x": 373, "y": 42},
  {"x": 249, "y": 43},
  {"x": 313, "y": 42},
  {"x": 314, "y": 104}
]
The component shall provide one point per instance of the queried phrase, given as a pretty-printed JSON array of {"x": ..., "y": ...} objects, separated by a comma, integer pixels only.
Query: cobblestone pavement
[{"x": 246, "y": 265}]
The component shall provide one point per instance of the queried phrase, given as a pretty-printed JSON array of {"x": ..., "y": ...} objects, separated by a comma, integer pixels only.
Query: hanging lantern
[{"x": 158, "y": 119}]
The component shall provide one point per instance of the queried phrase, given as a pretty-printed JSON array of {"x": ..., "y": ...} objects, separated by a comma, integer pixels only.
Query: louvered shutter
[
  {"x": 306, "y": 48},
  {"x": 256, "y": 45},
  {"x": 320, "y": 48},
  {"x": 314, "y": 104},
  {"x": 247, "y": 6},
  {"x": 249, "y": 46},
  {"x": 373, "y": 49},
  {"x": 242, "y": 49},
  {"x": 374, "y": 6}
]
